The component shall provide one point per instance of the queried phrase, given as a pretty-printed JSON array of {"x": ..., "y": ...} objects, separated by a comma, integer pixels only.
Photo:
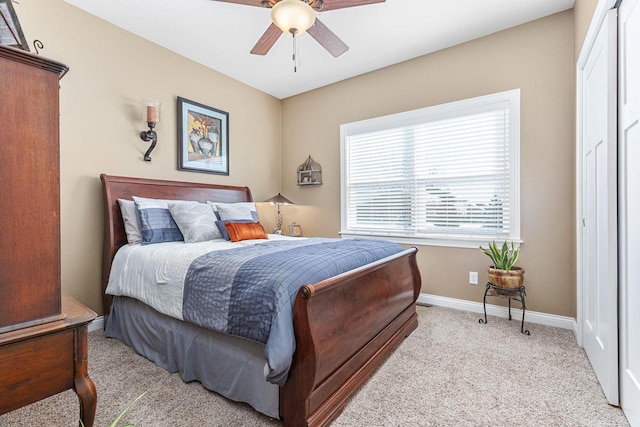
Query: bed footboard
[{"x": 345, "y": 327}]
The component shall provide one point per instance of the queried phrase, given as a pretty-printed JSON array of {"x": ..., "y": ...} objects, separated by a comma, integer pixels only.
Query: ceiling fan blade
[
  {"x": 327, "y": 39},
  {"x": 267, "y": 40},
  {"x": 341, "y": 4},
  {"x": 318, "y": 5},
  {"x": 257, "y": 3}
]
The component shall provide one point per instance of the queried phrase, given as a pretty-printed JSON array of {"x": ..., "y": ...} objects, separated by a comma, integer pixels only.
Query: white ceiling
[{"x": 220, "y": 35}]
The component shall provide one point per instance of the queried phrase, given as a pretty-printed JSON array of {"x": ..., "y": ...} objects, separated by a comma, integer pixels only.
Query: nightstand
[{"x": 43, "y": 360}]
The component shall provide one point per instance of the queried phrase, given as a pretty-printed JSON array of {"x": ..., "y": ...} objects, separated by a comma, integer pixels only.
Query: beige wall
[
  {"x": 537, "y": 58},
  {"x": 111, "y": 73}
]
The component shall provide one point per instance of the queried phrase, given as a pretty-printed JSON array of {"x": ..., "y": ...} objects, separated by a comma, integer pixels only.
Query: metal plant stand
[{"x": 517, "y": 294}]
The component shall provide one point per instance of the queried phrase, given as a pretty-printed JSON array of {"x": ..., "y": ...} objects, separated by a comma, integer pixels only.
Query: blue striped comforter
[{"x": 250, "y": 291}]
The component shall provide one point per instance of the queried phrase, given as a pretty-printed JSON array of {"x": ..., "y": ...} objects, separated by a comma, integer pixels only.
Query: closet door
[
  {"x": 629, "y": 206},
  {"x": 599, "y": 208}
]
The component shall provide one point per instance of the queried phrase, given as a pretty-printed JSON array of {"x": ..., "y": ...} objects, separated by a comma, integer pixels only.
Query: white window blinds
[{"x": 446, "y": 172}]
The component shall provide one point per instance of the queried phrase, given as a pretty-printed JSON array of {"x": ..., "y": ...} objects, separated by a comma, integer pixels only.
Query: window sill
[{"x": 466, "y": 242}]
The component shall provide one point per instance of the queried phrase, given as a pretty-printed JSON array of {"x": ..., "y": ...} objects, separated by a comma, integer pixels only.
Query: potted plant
[{"x": 502, "y": 273}]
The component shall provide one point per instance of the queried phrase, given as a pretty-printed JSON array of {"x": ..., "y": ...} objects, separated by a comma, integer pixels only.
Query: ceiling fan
[{"x": 297, "y": 16}]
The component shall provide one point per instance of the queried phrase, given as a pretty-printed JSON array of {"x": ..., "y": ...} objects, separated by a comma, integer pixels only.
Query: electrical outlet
[{"x": 473, "y": 277}]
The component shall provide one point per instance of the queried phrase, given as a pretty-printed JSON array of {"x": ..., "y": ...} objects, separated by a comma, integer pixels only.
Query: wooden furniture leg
[{"x": 83, "y": 386}]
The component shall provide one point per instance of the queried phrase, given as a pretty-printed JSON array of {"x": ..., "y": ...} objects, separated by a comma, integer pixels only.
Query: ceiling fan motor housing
[{"x": 293, "y": 16}]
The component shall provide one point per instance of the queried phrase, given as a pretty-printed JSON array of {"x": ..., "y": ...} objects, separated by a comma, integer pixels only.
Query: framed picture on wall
[{"x": 203, "y": 138}]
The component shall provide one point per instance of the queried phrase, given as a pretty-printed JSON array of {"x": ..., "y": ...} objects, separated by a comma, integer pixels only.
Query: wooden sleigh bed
[{"x": 344, "y": 327}]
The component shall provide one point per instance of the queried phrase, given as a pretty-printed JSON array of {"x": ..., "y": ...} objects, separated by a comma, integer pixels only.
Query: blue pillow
[
  {"x": 223, "y": 229},
  {"x": 155, "y": 220}
]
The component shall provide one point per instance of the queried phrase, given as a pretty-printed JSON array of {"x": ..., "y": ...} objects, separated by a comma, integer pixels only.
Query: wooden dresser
[{"x": 43, "y": 341}]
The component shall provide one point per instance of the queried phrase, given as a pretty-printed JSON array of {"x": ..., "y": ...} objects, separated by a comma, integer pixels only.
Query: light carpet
[{"x": 451, "y": 371}]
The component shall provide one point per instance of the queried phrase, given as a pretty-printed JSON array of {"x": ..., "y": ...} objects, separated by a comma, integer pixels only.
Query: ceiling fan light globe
[{"x": 291, "y": 15}]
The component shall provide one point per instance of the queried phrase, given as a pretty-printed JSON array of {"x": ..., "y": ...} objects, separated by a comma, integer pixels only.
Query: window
[{"x": 445, "y": 175}]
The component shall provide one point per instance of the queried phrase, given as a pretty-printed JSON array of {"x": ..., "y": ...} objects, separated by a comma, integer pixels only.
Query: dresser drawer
[{"x": 35, "y": 368}]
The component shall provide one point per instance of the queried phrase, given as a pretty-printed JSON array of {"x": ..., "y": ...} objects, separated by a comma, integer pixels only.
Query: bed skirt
[{"x": 231, "y": 366}]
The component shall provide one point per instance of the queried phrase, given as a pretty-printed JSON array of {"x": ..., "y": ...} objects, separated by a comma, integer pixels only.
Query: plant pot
[{"x": 510, "y": 279}]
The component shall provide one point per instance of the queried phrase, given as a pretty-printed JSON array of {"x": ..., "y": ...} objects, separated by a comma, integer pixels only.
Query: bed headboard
[{"x": 120, "y": 187}]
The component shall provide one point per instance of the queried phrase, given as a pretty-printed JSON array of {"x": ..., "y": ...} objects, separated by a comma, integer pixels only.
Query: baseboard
[
  {"x": 97, "y": 323},
  {"x": 458, "y": 304},
  {"x": 496, "y": 310}
]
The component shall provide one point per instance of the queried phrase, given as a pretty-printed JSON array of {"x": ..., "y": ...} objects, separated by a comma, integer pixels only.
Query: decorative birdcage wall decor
[{"x": 310, "y": 173}]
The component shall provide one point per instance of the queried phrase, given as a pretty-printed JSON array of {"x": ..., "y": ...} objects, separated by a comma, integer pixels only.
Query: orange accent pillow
[{"x": 245, "y": 231}]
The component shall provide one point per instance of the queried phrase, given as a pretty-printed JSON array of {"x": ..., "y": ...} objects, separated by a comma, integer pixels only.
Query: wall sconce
[
  {"x": 151, "y": 112},
  {"x": 278, "y": 200}
]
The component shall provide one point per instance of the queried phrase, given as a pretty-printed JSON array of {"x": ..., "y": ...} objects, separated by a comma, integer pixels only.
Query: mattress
[{"x": 165, "y": 265}]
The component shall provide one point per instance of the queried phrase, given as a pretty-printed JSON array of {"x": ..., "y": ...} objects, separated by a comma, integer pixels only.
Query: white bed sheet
[{"x": 154, "y": 274}]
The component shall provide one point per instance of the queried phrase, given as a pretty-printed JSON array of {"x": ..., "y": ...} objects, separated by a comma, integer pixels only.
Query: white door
[
  {"x": 599, "y": 208},
  {"x": 629, "y": 206}
]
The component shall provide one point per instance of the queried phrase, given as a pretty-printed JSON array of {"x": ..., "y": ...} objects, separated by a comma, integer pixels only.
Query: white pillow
[
  {"x": 196, "y": 221},
  {"x": 130, "y": 218}
]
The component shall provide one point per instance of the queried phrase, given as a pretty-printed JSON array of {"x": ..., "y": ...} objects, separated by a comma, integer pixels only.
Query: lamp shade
[
  {"x": 293, "y": 16},
  {"x": 279, "y": 198}
]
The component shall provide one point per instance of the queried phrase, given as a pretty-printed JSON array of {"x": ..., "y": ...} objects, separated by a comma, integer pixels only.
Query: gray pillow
[
  {"x": 130, "y": 218},
  {"x": 236, "y": 211},
  {"x": 196, "y": 221}
]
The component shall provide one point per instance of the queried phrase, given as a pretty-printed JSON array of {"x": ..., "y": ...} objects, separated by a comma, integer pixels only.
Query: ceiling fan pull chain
[{"x": 295, "y": 59}]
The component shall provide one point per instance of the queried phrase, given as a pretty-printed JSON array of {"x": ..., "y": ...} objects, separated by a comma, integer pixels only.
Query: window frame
[{"x": 429, "y": 114}]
